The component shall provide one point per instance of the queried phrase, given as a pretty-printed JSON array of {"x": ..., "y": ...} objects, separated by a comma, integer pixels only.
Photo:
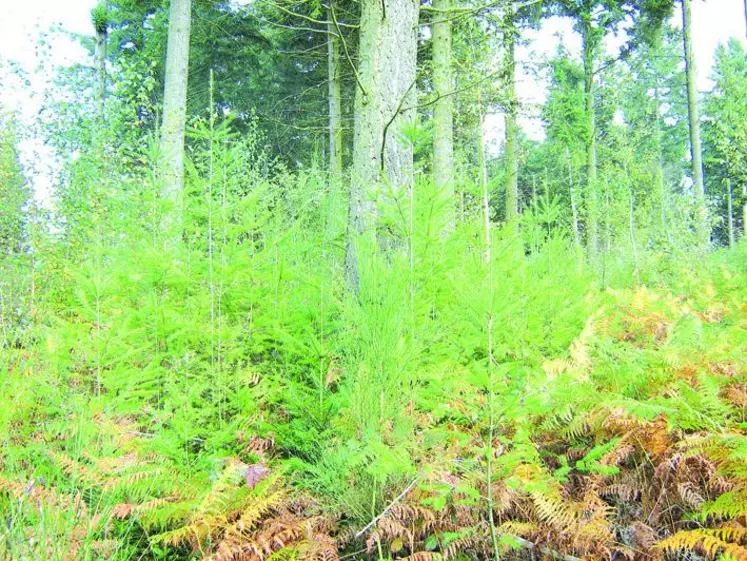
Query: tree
[
  {"x": 334, "y": 68},
  {"x": 696, "y": 154},
  {"x": 443, "y": 111},
  {"x": 14, "y": 194},
  {"x": 652, "y": 99},
  {"x": 100, "y": 24},
  {"x": 594, "y": 20},
  {"x": 725, "y": 129},
  {"x": 175, "y": 100},
  {"x": 510, "y": 34},
  {"x": 384, "y": 102}
]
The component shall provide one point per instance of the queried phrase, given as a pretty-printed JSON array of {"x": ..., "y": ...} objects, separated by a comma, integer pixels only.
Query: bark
[
  {"x": 512, "y": 109},
  {"x": 443, "y": 114},
  {"x": 335, "y": 100},
  {"x": 100, "y": 57},
  {"x": 175, "y": 104},
  {"x": 694, "y": 124},
  {"x": 384, "y": 101},
  {"x": 589, "y": 54}
]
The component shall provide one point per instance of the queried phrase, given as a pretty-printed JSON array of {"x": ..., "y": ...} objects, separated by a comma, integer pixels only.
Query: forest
[{"x": 293, "y": 298}]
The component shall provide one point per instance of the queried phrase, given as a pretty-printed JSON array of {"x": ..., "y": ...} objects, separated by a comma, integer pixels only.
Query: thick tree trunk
[
  {"x": 335, "y": 101},
  {"x": 175, "y": 105},
  {"x": 694, "y": 123},
  {"x": 384, "y": 101},
  {"x": 443, "y": 114},
  {"x": 100, "y": 23},
  {"x": 512, "y": 110},
  {"x": 589, "y": 54}
]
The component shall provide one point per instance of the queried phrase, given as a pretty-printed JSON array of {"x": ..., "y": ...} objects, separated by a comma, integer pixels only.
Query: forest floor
[{"x": 626, "y": 440}]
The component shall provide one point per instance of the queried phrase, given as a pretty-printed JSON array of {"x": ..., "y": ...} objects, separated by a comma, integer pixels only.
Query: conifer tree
[
  {"x": 175, "y": 104},
  {"x": 384, "y": 102}
]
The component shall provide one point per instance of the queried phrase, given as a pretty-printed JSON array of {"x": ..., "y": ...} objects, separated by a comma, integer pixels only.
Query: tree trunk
[
  {"x": 384, "y": 101},
  {"x": 659, "y": 170},
  {"x": 694, "y": 124},
  {"x": 335, "y": 100},
  {"x": 175, "y": 105},
  {"x": 512, "y": 110},
  {"x": 574, "y": 207},
  {"x": 100, "y": 23},
  {"x": 589, "y": 54},
  {"x": 482, "y": 171},
  {"x": 443, "y": 113}
]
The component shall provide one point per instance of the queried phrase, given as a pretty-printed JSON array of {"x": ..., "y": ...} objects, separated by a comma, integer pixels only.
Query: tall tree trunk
[
  {"x": 589, "y": 54},
  {"x": 694, "y": 124},
  {"x": 175, "y": 105},
  {"x": 443, "y": 113},
  {"x": 335, "y": 100},
  {"x": 512, "y": 110},
  {"x": 384, "y": 101},
  {"x": 100, "y": 23},
  {"x": 659, "y": 170},
  {"x": 482, "y": 170}
]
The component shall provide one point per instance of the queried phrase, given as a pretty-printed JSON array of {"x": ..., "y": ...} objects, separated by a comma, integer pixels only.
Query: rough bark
[
  {"x": 384, "y": 101},
  {"x": 589, "y": 54},
  {"x": 335, "y": 100},
  {"x": 175, "y": 104},
  {"x": 443, "y": 113},
  {"x": 512, "y": 110},
  {"x": 694, "y": 124}
]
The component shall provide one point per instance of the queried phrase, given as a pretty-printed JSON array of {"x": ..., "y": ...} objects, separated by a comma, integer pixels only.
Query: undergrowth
[{"x": 219, "y": 395}]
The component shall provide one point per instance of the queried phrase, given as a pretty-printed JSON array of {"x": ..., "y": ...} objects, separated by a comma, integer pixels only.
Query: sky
[{"x": 23, "y": 21}]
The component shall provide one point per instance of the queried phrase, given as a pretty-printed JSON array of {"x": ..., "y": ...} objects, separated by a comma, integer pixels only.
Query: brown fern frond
[{"x": 690, "y": 495}]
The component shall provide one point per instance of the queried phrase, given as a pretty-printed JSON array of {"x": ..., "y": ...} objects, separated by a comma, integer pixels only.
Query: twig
[
  {"x": 331, "y": 9},
  {"x": 386, "y": 127},
  {"x": 388, "y": 508},
  {"x": 308, "y": 18}
]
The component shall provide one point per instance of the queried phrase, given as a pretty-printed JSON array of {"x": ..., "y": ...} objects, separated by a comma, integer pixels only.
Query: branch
[
  {"x": 386, "y": 127},
  {"x": 308, "y": 18},
  {"x": 454, "y": 92},
  {"x": 387, "y": 509},
  {"x": 331, "y": 9}
]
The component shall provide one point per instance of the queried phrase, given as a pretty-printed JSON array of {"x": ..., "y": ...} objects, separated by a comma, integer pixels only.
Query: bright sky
[{"x": 22, "y": 21}]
